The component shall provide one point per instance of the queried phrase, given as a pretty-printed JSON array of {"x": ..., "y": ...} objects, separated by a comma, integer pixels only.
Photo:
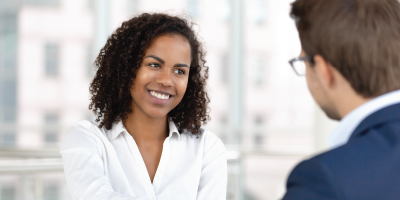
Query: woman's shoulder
[
  {"x": 212, "y": 141},
  {"x": 208, "y": 139},
  {"x": 87, "y": 124},
  {"x": 213, "y": 148},
  {"x": 84, "y": 134},
  {"x": 85, "y": 127}
]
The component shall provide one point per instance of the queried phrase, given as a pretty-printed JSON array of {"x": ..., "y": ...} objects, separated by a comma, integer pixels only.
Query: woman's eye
[
  {"x": 180, "y": 71},
  {"x": 154, "y": 65}
]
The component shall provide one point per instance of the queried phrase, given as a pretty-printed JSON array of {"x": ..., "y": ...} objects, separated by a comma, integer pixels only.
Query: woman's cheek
[{"x": 183, "y": 86}]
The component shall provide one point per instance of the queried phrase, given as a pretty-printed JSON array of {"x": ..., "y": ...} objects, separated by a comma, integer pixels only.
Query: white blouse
[{"x": 107, "y": 164}]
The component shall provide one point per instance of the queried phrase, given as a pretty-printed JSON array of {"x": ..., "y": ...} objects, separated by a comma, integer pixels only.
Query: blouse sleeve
[
  {"x": 83, "y": 167},
  {"x": 213, "y": 179}
]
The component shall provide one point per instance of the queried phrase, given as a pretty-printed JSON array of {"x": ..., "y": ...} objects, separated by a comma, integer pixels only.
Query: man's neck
[{"x": 347, "y": 103}]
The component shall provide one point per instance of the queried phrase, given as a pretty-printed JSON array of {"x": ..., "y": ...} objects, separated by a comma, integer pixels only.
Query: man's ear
[{"x": 324, "y": 72}]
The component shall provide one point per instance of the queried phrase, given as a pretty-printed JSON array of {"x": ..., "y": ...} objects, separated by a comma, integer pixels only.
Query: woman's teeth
[{"x": 160, "y": 96}]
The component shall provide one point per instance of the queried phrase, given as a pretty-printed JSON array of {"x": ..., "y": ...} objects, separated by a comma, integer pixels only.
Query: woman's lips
[{"x": 159, "y": 98}]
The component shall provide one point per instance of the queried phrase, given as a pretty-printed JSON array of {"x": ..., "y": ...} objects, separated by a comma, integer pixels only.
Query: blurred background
[{"x": 260, "y": 108}]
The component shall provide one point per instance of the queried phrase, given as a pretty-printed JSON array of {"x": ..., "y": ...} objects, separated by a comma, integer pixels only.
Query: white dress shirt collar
[
  {"x": 349, "y": 123},
  {"x": 118, "y": 128}
]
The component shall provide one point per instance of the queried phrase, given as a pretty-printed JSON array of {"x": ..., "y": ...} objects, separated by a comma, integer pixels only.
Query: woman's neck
[{"x": 144, "y": 128}]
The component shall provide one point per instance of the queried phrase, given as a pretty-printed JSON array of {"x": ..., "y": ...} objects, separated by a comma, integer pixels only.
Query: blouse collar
[{"x": 118, "y": 128}]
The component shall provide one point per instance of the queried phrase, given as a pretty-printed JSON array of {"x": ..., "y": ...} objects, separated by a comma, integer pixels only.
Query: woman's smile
[{"x": 159, "y": 97}]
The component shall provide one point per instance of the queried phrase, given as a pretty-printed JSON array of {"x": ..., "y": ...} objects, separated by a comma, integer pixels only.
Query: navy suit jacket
[{"x": 367, "y": 167}]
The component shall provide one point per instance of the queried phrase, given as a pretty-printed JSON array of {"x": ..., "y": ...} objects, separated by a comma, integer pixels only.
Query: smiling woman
[
  {"x": 150, "y": 101},
  {"x": 162, "y": 77}
]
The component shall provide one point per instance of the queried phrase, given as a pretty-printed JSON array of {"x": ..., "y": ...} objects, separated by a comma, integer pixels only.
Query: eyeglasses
[{"x": 298, "y": 65}]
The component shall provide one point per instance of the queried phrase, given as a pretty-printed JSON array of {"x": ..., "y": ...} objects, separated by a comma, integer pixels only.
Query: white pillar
[
  {"x": 102, "y": 24},
  {"x": 236, "y": 91},
  {"x": 236, "y": 72}
]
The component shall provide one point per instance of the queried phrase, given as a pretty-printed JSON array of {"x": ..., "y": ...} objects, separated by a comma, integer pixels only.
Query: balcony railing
[{"x": 31, "y": 165}]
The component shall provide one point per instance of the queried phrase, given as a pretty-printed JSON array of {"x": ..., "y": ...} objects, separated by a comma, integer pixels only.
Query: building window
[
  {"x": 8, "y": 193},
  {"x": 8, "y": 112},
  {"x": 8, "y": 65},
  {"x": 258, "y": 134},
  {"x": 258, "y": 11},
  {"x": 258, "y": 139},
  {"x": 51, "y": 191},
  {"x": 8, "y": 83},
  {"x": 8, "y": 43},
  {"x": 89, "y": 61},
  {"x": 225, "y": 68},
  {"x": 90, "y": 5},
  {"x": 9, "y": 115},
  {"x": 52, "y": 59},
  {"x": 42, "y": 2},
  {"x": 223, "y": 128},
  {"x": 8, "y": 90},
  {"x": 132, "y": 6},
  {"x": 8, "y": 100},
  {"x": 8, "y": 25},
  {"x": 51, "y": 137},
  {"x": 51, "y": 128},
  {"x": 8, "y": 139},
  {"x": 193, "y": 8},
  {"x": 223, "y": 8}
]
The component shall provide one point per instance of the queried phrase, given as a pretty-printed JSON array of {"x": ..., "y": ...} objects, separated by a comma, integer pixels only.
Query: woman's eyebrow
[
  {"x": 157, "y": 58},
  {"x": 163, "y": 62},
  {"x": 181, "y": 65}
]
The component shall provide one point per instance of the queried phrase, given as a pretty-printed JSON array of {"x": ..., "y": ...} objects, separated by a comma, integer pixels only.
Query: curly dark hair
[{"x": 122, "y": 55}]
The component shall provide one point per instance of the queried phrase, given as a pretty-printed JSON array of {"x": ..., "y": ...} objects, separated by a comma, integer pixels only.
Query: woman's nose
[{"x": 164, "y": 78}]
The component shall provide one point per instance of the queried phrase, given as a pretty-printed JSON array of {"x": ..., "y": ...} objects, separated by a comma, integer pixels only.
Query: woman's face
[{"x": 162, "y": 78}]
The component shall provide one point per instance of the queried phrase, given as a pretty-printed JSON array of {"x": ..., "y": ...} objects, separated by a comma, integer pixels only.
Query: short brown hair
[{"x": 360, "y": 38}]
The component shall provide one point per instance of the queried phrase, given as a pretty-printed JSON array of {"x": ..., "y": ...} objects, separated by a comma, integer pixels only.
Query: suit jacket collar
[
  {"x": 351, "y": 121},
  {"x": 383, "y": 116}
]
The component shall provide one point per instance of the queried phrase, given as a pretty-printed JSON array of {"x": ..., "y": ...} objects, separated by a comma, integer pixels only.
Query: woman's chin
[{"x": 157, "y": 115}]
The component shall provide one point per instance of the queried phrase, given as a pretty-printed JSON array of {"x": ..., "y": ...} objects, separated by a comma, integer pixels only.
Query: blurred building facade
[
  {"x": 45, "y": 68},
  {"x": 47, "y": 50}
]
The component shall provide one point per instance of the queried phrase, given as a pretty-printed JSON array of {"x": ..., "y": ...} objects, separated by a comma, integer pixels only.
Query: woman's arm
[
  {"x": 213, "y": 178},
  {"x": 84, "y": 168}
]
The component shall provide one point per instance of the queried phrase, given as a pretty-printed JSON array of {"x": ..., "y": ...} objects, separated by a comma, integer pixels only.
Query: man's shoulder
[
  {"x": 312, "y": 180},
  {"x": 380, "y": 141},
  {"x": 377, "y": 145},
  {"x": 388, "y": 116},
  {"x": 366, "y": 166}
]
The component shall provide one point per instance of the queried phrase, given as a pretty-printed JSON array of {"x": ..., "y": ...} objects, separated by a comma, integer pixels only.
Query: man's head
[{"x": 354, "y": 50}]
